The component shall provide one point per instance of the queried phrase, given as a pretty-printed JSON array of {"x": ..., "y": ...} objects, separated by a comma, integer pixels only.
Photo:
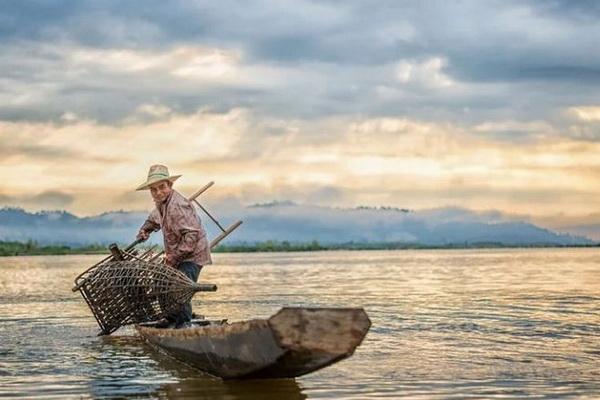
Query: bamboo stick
[
  {"x": 210, "y": 216},
  {"x": 202, "y": 190},
  {"x": 225, "y": 233}
]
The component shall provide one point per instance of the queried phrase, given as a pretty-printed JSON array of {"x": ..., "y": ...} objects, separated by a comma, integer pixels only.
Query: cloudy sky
[{"x": 478, "y": 104}]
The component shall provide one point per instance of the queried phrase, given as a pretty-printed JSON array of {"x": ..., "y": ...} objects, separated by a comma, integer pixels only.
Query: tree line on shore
[{"x": 32, "y": 247}]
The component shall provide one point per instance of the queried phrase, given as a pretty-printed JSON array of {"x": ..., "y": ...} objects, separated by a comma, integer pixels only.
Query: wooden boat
[{"x": 293, "y": 342}]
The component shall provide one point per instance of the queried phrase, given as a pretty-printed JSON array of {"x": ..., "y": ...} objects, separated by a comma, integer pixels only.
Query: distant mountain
[
  {"x": 295, "y": 223},
  {"x": 591, "y": 231},
  {"x": 60, "y": 227}
]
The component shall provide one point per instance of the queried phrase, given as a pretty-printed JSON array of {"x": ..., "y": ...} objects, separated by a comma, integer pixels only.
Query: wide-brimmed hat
[{"x": 157, "y": 173}]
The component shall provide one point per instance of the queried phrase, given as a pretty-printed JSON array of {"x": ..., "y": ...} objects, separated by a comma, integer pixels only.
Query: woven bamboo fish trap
[{"x": 130, "y": 288}]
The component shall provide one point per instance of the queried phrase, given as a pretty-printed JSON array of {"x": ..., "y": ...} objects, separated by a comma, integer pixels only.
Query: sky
[{"x": 486, "y": 105}]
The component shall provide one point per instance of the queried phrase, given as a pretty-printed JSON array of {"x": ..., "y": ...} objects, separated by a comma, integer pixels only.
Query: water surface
[{"x": 446, "y": 324}]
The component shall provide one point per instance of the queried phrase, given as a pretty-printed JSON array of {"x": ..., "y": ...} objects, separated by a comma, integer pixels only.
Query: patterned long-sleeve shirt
[{"x": 184, "y": 237}]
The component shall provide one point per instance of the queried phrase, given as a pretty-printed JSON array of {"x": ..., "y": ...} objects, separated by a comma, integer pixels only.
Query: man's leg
[{"x": 192, "y": 271}]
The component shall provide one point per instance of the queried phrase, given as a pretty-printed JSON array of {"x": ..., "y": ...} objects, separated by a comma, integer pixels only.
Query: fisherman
[{"x": 185, "y": 242}]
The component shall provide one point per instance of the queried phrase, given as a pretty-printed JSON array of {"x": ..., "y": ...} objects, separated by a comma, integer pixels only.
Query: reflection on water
[
  {"x": 446, "y": 324},
  {"x": 122, "y": 361}
]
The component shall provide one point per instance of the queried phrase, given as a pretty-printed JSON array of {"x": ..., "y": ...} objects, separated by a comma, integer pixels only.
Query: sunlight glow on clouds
[
  {"x": 186, "y": 62},
  {"x": 414, "y": 104},
  {"x": 587, "y": 113},
  {"x": 371, "y": 161}
]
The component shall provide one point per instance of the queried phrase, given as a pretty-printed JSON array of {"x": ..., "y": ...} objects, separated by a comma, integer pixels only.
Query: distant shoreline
[{"x": 31, "y": 248}]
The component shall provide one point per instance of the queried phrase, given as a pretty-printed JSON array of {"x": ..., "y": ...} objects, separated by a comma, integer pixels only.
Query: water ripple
[{"x": 446, "y": 324}]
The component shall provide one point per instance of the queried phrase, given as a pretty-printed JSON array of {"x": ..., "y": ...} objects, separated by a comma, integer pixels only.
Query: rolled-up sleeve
[{"x": 152, "y": 223}]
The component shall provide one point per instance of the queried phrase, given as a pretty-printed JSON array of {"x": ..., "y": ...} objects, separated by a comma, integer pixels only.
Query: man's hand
[{"x": 142, "y": 235}]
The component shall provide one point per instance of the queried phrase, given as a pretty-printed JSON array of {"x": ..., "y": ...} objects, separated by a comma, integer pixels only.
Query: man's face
[{"x": 160, "y": 191}]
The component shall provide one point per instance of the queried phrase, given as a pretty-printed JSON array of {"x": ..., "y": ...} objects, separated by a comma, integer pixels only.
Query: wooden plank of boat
[{"x": 293, "y": 342}]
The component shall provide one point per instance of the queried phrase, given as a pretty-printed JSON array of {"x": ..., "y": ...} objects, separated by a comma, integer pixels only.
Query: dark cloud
[
  {"x": 508, "y": 59},
  {"x": 348, "y": 32},
  {"x": 28, "y": 20},
  {"x": 586, "y": 11}
]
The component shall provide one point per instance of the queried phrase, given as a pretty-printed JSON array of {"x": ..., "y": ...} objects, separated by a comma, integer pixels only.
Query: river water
[{"x": 445, "y": 324}]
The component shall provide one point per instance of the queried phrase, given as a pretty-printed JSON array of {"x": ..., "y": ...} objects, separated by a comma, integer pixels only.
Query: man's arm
[{"x": 152, "y": 224}]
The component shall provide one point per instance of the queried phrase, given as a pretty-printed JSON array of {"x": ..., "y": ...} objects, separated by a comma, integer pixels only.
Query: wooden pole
[
  {"x": 202, "y": 190},
  {"x": 225, "y": 233},
  {"x": 210, "y": 216}
]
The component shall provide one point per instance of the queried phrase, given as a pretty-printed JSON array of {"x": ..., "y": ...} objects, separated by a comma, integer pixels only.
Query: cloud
[
  {"x": 187, "y": 62},
  {"x": 408, "y": 103},
  {"x": 586, "y": 124},
  {"x": 33, "y": 150},
  {"x": 48, "y": 200},
  {"x": 52, "y": 199},
  {"x": 428, "y": 73},
  {"x": 304, "y": 60},
  {"x": 586, "y": 113},
  {"x": 336, "y": 160},
  {"x": 517, "y": 130}
]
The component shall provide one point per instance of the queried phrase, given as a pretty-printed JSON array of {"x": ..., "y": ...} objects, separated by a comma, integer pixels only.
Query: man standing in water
[{"x": 185, "y": 242}]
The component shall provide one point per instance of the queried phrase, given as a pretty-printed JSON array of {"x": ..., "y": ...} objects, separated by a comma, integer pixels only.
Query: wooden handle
[
  {"x": 202, "y": 190},
  {"x": 205, "y": 287},
  {"x": 224, "y": 234}
]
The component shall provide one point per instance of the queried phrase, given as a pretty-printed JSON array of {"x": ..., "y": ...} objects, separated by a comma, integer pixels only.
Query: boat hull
[{"x": 293, "y": 342}]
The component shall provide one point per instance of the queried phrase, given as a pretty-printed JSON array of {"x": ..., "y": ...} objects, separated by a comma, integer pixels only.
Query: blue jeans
[{"x": 191, "y": 270}]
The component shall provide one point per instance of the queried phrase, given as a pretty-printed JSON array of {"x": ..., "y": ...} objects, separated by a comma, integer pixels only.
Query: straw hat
[{"x": 156, "y": 174}]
